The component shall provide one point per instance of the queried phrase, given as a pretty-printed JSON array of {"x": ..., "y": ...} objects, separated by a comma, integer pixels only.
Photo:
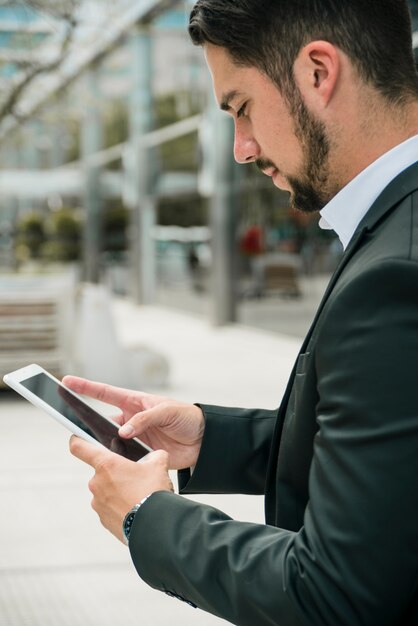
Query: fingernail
[{"x": 126, "y": 430}]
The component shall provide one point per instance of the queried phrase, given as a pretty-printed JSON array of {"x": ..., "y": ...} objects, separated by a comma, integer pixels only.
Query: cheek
[{"x": 277, "y": 141}]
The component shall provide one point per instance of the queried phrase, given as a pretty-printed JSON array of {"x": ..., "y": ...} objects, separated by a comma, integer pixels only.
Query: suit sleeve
[
  {"x": 354, "y": 561},
  {"x": 234, "y": 453}
]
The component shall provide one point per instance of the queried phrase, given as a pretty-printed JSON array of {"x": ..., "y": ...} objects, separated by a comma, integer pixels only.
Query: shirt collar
[{"x": 346, "y": 210}]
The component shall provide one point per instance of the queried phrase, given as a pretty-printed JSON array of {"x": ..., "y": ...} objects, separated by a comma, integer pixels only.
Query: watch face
[{"x": 129, "y": 520}]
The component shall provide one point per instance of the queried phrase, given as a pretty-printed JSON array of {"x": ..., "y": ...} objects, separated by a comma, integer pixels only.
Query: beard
[{"x": 311, "y": 189}]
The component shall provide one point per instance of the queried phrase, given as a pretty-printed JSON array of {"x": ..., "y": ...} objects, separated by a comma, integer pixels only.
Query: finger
[
  {"x": 86, "y": 451},
  {"x": 98, "y": 391},
  {"x": 158, "y": 455},
  {"x": 118, "y": 446},
  {"x": 118, "y": 419}
]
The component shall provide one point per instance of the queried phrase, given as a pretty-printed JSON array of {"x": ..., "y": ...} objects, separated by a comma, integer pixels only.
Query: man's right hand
[{"x": 161, "y": 423}]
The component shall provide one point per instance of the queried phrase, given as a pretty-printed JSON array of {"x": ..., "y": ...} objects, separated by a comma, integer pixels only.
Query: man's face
[{"x": 284, "y": 140}]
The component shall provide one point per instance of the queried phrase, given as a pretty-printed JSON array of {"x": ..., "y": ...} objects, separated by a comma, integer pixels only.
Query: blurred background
[{"x": 116, "y": 169}]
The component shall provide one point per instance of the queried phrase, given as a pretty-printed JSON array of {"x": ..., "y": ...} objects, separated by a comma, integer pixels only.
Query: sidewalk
[{"x": 58, "y": 566}]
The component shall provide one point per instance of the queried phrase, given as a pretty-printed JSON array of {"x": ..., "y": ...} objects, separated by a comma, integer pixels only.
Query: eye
[{"x": 242, "y": 110}]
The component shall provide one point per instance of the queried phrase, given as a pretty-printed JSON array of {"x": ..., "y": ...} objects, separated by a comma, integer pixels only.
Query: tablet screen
[{"x": 83, "y": 416}]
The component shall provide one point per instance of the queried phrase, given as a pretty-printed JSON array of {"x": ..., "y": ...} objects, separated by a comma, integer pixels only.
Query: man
[{"x": 324, "y": 96}]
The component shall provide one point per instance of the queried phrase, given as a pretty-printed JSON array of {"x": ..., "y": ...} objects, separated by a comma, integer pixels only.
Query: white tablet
[{"x": 46, "y": 392}]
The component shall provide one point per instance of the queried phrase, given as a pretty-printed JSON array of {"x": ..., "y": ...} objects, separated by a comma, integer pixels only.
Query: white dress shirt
[{"x": 346, "y": 210}]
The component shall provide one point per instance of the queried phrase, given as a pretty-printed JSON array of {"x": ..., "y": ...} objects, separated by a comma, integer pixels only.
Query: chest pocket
[
  {"x": 300, "y": 417},
  {"x": 300, "y": 377}
]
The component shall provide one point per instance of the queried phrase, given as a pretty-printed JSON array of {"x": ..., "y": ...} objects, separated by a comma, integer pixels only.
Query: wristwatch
[{"x": 129, "y": 519}]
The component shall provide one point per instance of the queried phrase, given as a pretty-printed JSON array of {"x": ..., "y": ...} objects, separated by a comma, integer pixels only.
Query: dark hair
[{"x": 268, "y": 34}]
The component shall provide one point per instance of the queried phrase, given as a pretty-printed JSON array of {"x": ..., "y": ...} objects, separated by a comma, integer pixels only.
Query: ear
[{"x": 317, "y": 71}]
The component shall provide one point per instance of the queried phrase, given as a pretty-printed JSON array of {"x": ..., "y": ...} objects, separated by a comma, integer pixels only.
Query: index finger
[
  {"x": 98, "y": 391},
  {"x": 87, "y": 452}
]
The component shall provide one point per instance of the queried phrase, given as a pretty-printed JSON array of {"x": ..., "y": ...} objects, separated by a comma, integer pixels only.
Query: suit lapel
[
  {"x": 270, "y": 504},
  {"x": 352, "y": 247},
  {"x": 397, "y": 190}
]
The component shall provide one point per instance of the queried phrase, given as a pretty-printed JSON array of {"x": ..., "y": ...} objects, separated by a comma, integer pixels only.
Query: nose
[{"x": 246, "y": 149}]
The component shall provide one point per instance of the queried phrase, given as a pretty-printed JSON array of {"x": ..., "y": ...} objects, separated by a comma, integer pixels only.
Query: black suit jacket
[{"x": 338, "y": 462}]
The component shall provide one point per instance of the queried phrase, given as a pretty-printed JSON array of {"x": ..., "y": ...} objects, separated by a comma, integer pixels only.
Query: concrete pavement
[{"x": 58, "y": 566}]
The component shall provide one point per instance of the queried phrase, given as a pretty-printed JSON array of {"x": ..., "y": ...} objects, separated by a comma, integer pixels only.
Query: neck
[{"x": 365, "y": 141}]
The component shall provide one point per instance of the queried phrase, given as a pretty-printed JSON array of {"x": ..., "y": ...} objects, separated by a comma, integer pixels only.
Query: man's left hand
[{"x": 119, "y": 484}]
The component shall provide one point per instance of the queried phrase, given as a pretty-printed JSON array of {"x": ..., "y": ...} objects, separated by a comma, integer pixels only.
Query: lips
[
  {"x": 271, "y": 171},
  {"x": 279, "y": 181}
]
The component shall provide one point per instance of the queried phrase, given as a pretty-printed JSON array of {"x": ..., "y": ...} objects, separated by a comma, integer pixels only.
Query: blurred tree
[
  {"x": 30, "y": 236},
  {"x": 63, "y": 243},
  {"x": 28, "y": 67}
]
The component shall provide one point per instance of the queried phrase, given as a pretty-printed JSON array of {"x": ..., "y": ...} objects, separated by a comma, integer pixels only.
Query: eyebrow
[{"x": 227, "y": 98}]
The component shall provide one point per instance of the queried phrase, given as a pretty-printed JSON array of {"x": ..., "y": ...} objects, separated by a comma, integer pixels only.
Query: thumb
[
  {"x": 159, "y": 457},
  {"x": 140, "y": 422}
]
